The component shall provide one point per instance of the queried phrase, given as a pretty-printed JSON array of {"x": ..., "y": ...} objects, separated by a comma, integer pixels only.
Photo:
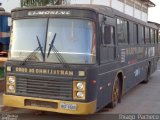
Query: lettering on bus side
[{"x": 140, "y": 51}]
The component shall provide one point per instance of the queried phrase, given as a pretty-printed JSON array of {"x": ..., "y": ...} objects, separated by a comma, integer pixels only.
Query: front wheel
[{"x": 115, "y": 93}]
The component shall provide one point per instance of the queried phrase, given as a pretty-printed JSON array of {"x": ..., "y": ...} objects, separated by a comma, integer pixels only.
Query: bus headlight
[
  {"x": 10, "y": 84},
  {"x": 79, "y": 90},
  {"x": 80, "y": 94},
  {"x": 11, "y": 80},
  {"x": 11, "y": 88},
  {"x": 80, "y": 85}
]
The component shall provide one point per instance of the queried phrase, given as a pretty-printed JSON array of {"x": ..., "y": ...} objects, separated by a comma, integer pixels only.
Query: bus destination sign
[{"x": 49, "y": 12}]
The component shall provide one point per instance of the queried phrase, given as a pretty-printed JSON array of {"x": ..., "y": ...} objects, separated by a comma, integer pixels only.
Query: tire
[
  {"x": 146, "y": 80},
  {"x": 116, "y": 93}
]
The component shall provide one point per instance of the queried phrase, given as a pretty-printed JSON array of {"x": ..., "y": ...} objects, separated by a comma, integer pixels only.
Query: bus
[
  {"x": 5, "y": 22},
  {"x": 76, "y": 59}
]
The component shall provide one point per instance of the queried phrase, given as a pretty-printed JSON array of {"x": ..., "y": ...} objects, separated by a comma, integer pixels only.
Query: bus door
[{"x": 108, "y": 51}]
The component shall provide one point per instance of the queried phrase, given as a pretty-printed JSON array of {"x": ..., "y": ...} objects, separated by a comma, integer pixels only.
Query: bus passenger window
[
  {"x": 152, "y": 36},
  {"x": 140, "y": 34},
  {"x": 147, "y": 38},
  {"x": 156, "y": 37},
  {"x": 108, "y": 36},
  {"x": 135, "y": 33},
  {"x": 122, "y": 31}
]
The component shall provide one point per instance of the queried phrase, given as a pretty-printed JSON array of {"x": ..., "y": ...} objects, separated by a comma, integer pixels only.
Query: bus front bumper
[{"x": 49, "y": 105}]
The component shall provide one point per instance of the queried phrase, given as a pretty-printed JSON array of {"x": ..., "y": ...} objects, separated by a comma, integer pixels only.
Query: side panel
[{"x": 132, "y": 59}]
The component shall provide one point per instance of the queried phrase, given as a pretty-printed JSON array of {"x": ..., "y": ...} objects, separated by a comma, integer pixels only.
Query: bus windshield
[{"x": 74, "y": 40}]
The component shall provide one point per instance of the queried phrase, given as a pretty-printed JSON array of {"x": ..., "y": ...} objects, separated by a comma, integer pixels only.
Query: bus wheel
[
  {"x": 115, "y": 93},
  {"x": 148, "y": 74}
]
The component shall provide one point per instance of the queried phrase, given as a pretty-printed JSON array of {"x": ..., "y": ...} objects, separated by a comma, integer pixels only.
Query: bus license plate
[{"x": 68, "y": 106}]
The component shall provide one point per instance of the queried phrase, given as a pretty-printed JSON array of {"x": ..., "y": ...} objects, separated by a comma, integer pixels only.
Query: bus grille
[{"x": 44, "y": 88}]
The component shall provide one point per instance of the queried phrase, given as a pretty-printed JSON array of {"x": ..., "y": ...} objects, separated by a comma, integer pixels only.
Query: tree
[{"x": 30, "y": 3}]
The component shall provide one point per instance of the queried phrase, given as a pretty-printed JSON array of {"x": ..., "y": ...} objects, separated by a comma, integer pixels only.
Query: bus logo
[{"x": 53, "y": 12}]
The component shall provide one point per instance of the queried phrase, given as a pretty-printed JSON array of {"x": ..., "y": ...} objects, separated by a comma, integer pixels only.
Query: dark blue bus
[
  {"x": 77, "y": 59},
  {"x": 5, "y": 21}
]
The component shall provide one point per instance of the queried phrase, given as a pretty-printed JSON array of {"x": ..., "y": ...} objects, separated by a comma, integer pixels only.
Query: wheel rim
[{"x": 115, "y": 94}]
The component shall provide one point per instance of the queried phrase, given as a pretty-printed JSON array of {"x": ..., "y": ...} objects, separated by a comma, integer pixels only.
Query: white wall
[
  {"x": 129, "y": 10},
  {"x": 101, "y": 2},
  {"x": 144, "y": 17},
  {"x": 10, "y": 4},
  {"x": 80, "y": 1},
  {"x": 137, "y": 14},
  {"x": 97, "y": 2},
  {"x": 117, "y": 5}
]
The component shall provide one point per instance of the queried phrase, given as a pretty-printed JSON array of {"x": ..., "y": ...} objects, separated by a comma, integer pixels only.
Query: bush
[{"x": 1, "y": 72}]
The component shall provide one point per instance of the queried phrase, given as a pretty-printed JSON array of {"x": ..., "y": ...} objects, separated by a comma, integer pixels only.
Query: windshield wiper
[
  {"x": 32, "y": 54},
  {"x": 51, "y": 45},
  {"x": 58, "y": 55}
]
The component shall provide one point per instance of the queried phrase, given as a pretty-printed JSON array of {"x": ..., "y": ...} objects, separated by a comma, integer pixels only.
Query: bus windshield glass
[{"x": 72, "y": 39}]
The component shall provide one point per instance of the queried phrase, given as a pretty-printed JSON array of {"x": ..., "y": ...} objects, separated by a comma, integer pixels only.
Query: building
[{"x": 135, "y": 8}]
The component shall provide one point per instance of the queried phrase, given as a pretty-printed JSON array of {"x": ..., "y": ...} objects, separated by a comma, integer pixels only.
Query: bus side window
[
  {"x": 152, "y": 36},
  {"x": 159, "y": 38},
  {"x": 147, "y": 36},
  {"x": 108, "y": 35},
  {"x": 141, "y": 34},
  {"x": 122, "y": 31},
  {"x": 156, "y": 36},
  {"x": 135, "y": 33}
]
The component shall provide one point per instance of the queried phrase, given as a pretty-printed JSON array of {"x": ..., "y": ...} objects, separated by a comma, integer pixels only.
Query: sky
[
  {"x": 12, "y": 4},
  {"x": 154, "y": 12},
  {"x": 154, "y": 15}
]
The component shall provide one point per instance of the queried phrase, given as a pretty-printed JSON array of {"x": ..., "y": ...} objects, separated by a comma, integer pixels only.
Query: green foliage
[
  {"x": 1, "y": 72},
  {"x": 30, "y": 3}
]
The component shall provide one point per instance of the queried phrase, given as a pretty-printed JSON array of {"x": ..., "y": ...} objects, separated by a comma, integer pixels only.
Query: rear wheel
[
  {"x": 116, "y": 96},
  {"x": 148, "y": 74}
]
